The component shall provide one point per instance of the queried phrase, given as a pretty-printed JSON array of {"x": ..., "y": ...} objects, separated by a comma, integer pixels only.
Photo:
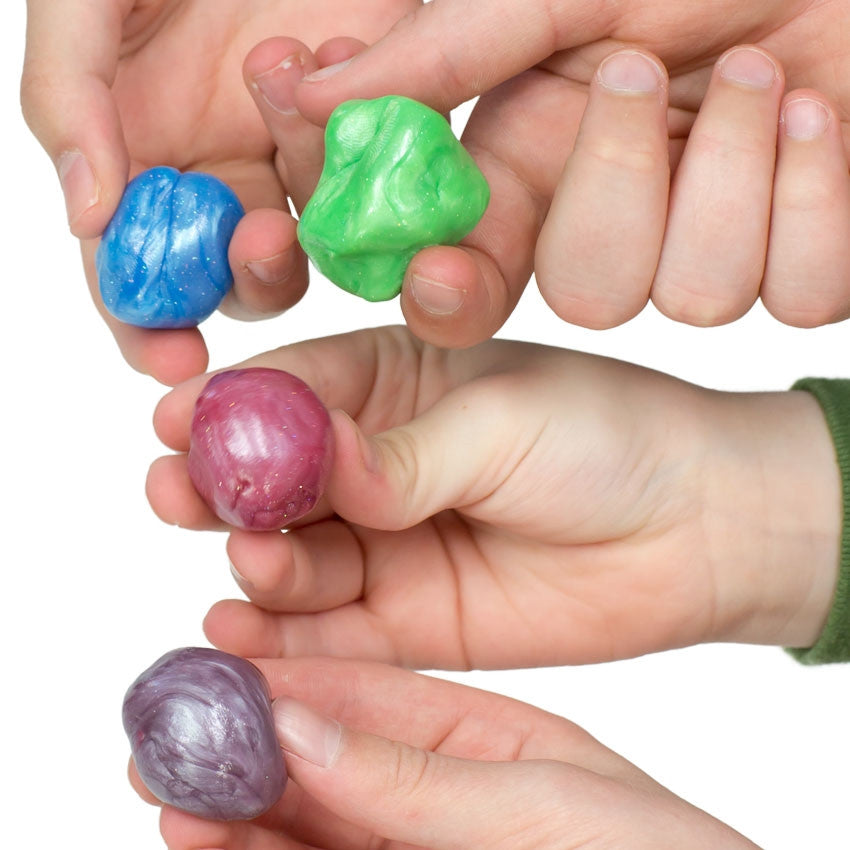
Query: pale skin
[
  {"x": 588, "y": 508},
  {"x": 87, "y": 87},
  {"x": 758, "y": 205},
  {"x": 437, "y": 765},
  {"x": 748, "y": 214},
  {"x": 112, "y": 87}
]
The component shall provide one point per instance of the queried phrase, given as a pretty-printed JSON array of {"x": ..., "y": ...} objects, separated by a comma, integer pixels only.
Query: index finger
[
  {"x": 447, "y": 52},
  {"x": 342, "y": 370}
]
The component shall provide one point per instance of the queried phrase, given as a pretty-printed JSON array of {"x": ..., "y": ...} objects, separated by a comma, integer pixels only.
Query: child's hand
[
  {"x": 515, "y": 505},
  {"x": 111, "y": 87},
  {"x": 742, "y": 221},
  {"x": 424, "y": 762}
]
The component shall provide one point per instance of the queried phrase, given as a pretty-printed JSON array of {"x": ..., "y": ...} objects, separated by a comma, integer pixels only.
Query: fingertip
[
  {"x": 157, "y": 482},
  {"x": 454, "y": 297},
  {"x": 139, "y": 786},
  {"x": 172, "y": 416},
  {"x": 805, "y": 115},
  {"x": 263, "y": 559},
  {"x": 339, "y": 49},
  {"x": 632, "y": 71},
  {"x": 237, "y": 626},
  {"x": 261, "y": 233},
  {"x": 173, "y": 497},
  {"x": 701, "y": 309},
  {"x": 169, "y": 356},
  {"x": 185, "y": 831},
  {"x": 354, "y": 487},
  {"x": 317, "y": 102},
  {"x": 373, "y": 477},
  {"x": 352, "y": 449},
  {"x": 268, "y": 264},
  {"x": 437, "y": 284},
  {"x": 802, "y": 314},
  {"x": 269, "y": 53},
  {"x": 586, "y": 307},
  {"x": 210, "y": 625},
  {"x": 751, "y": 67}
]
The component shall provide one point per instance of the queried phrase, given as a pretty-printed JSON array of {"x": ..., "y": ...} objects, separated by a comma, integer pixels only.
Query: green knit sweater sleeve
[{"x": 834, "y": 643}]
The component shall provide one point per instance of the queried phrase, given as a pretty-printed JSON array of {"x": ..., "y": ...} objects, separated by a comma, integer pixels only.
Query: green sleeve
[{"x": 834, "y": 643}]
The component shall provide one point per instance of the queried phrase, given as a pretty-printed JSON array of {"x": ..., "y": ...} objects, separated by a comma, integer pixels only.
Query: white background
[{"x": 95, "y": 587}]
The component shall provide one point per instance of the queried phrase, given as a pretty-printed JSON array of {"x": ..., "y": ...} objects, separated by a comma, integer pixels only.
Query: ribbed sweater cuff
[{"x": 834, "y": 643}]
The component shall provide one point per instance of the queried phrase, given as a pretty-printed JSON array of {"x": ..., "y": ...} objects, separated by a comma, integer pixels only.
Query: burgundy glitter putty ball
[
  {"x": 261, "y": 447},
  {"x": 202, "y": 734}
]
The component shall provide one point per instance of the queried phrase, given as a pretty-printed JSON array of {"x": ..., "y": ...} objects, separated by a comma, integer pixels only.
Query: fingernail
[
  {"x": 749, "y": 67},
  {"x": 435, "y": 297},
  {"x": 278, "y": 84},
  {"x": 805, "y": 119},
  {"x": 240, "y": 579},
  {"x": 270, "y": 270},
  {"x": 306, "y": 733},
  {"x": 630, "y": 72},
  {"x": 328, "y": 71},
  {"x": 79, "y": 185}
]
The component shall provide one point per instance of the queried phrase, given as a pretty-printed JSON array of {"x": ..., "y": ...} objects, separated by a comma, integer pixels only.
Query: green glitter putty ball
[{"x": 395, "y": 180}]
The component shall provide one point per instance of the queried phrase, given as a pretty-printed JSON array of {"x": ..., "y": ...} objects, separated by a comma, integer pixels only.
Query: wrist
[{"x": 773, "y": 507}]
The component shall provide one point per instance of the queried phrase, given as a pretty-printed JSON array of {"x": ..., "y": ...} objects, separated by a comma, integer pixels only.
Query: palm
[
  {"x": 466, "y": 597},
  {"x": 180, "y": 90},
  {"x": 552, "y": 544},
  {"x": 560, "y": 549}
]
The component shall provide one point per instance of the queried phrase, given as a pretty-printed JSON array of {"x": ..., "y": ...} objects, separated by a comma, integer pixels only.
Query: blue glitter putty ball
[{"x": 162, "y": 262}]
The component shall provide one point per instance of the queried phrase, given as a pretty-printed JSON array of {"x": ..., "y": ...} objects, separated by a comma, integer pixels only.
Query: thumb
[
  {"x": 71, "y": 58},
  {"x": 403, "y": 793},
  {"x": 453, "y": 455},
  {"x": 448, "y": 51}
]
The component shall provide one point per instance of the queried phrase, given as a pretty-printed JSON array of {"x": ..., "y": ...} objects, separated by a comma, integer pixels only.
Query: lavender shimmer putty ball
[
  {"x": 260, "y": 449},
  {"x": 202, "y": 734}
]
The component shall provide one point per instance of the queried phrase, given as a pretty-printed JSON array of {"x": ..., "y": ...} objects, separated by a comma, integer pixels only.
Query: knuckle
[
  {"x": 450, "y": 74},
  {"x": 403, "y": 453},
  {"x": 545, "y": 819},
  {"x": 411, "y": 772},
  {"x": 736, "y": 145},
  {"x": 631, "y": 157},
  {"x": 804, "y": 197}
]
